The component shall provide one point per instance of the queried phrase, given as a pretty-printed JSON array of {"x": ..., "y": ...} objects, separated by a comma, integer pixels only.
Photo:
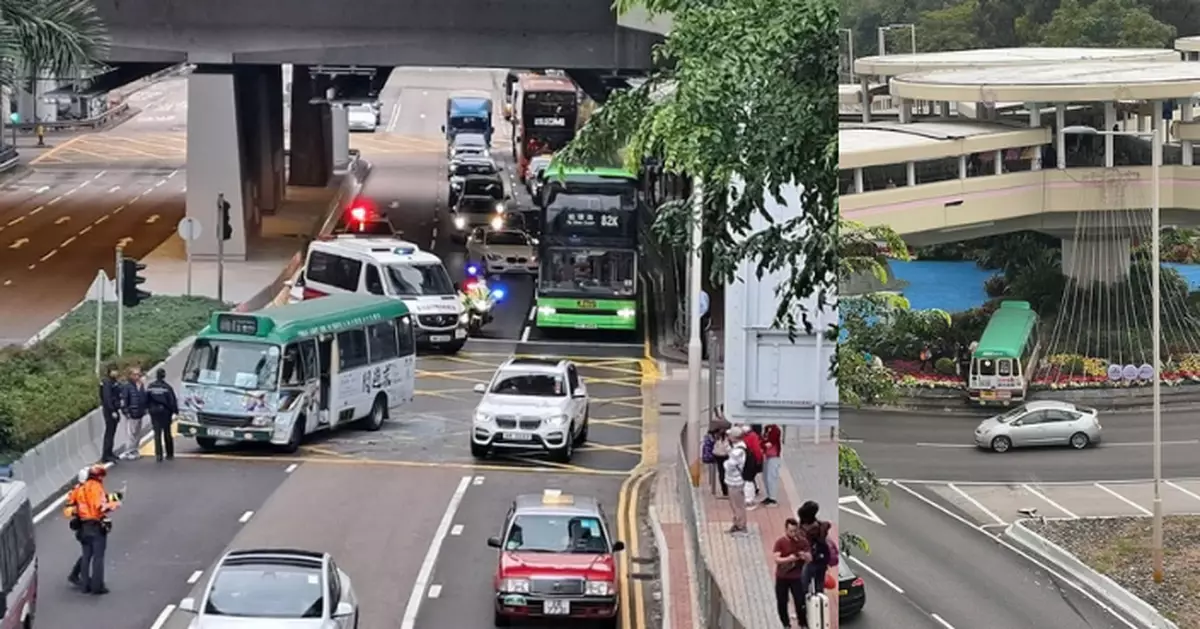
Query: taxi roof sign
[{"x": 556, "y": 497}]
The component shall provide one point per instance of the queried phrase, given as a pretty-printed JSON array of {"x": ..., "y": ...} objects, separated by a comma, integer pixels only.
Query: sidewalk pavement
[
  {"x": 269, "y": 256},
  {"x": 741, "y": 564}
]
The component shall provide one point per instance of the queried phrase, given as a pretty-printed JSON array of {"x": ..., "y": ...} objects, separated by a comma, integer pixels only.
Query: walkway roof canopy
[
  {"x": 1059, "y": 83},
  {"x": 896, "y": 65},
  {"x": 1188, "y": 44},
  {"x": 861, "y": 145}
]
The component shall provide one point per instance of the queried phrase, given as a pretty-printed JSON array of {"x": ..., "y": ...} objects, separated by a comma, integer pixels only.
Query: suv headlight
[
  {"x": 517, "y": 586},
  {"x": 460, "y": 222},
  {"x": 556, "y": 420},
  {"x": 464, "y": 317},
  {"x": 599, "y": 588},
  {"x": 482, "y": 418},
  {"x": 494, "y": 257},
  {"x": 262, "y": 420}
]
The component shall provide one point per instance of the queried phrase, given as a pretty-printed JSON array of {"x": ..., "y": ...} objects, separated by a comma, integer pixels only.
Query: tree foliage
[
  {"x": 745, "y": 100},
  {"x": 49, "y": 37},
  {"x": 964, "y": 24}
]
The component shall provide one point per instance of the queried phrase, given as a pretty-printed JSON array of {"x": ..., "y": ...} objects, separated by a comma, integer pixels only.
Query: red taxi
[{"x": 556, "y": 561}]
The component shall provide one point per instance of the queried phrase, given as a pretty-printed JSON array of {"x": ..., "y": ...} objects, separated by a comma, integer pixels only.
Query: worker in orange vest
[{"x": 88, "y": 506}]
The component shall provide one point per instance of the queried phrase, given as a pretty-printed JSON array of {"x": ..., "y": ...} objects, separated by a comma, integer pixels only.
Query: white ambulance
[{"x": 393, "y": 268}]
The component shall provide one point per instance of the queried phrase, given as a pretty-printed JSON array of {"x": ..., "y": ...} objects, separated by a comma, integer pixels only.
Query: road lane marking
[
  {"x": 859, "y": 509},
  {"x": 62, "y": 219},
  {"x": 941, "y": 621},
  {"x": 1048, "y": 501},
  {"x": 532, "y": 314},
  {"x": 114, "y": 189},
  {"x": 16, "y": 220},
  {"x": 291, "y": 468},
  {"x": 36, "y": 210},
  {"x": 978, "y": 505},
  {"x": 163, "y": 616},
  {"x": 1184, "y": 442},
  {"x": 120, "y": 208},
  {"x": 152, "y": 219},
  {"x": 51, "y": 152},
  {"x": 525, "y": 334},
  {"x": 871, "y": 571},
  {"x": 477, "y": 481},
  {"x": 195, "y": 577},
  {"x": 161, "y": 182},
  {"x": 41, "y": 190},
  {"x": 1182, "y": 489},
  {"x": 100, "y": 174},
  {"x": 1123, "y": 499},
  {"x": 85, "y": 230},
  {"x": 393, "y": 117},
  {"x": 69, "y": 240},
  {"x": 246, "y": 517},
  {"x": 48, "y": 255},
  {"x": 32, "y": 267},
  {"x": 124, "y": 242},
  {"x": 457, "y": 530},
  {"x": 425, "y": 573},
  {"x": 1021, "y": 553},
  {"x": 435, "y": 591},
  {"x": 105, "y": 217},
  {"x": 944, "y": 445},
  {"x": 18, "y": 243}
]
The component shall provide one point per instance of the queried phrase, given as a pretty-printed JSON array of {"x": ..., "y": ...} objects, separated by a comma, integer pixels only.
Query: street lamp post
[
  {"x": 1156, "y": 131},
  {"x": 882, "y": 32}
]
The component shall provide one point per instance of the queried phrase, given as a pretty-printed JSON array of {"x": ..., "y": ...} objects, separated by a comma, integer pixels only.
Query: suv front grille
[
  {"x": 553, "y": 587},
  {"x": 228, "y": 421},
  {"x": 437, "y": 321}
]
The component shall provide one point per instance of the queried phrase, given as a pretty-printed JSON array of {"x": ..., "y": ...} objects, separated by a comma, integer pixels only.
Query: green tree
[
  {"x": 745, "y": 100},
  {"x": 49, "y": 37},
  {"x": 1111, "y": 23},
  {"x": 951, "y": 28}
]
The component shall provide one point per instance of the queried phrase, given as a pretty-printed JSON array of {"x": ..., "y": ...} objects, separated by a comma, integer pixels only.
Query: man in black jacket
[
  {"x": 162, "y": 406},
  {"x": 133, "y": 403},
  {"x": 110, "y": 407}
]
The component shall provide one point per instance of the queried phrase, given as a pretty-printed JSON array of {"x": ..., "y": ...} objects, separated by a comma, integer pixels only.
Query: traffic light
[
  {"x": 226, "y": 227},
  {"x": 131, "y": 279}
]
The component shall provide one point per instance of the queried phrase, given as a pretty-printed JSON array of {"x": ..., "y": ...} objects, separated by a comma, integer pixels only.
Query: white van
[{"x": 393, "y": 268}]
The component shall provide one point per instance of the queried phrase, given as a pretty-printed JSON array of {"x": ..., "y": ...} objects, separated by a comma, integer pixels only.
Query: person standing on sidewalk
[
  {"x": 824, "y": 551},
  {"x": 133, "y": 402},
  {"x": 772, "y": 446},
  {"x": 714, "y": 450},
  {"x": 734, "y": 465},
  {"x": 791, "y": 553},
  {"x": 754, "y": 463},
  {"x": 110, "y": 407},
  {"x": 163, "y": 406}
]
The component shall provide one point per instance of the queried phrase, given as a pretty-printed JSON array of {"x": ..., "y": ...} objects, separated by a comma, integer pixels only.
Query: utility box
[{"x": 770, "y": 378}]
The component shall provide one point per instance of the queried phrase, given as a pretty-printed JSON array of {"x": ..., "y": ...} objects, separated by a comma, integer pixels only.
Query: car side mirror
[
  {"x": 344, "y": 609},
  {"x": 188, "y": 605},
  {"x": 299, "y": 279},
  {"x": 494, "y": 542},
  {"x": 443, "y": 128},
  {"x": 618, "y": 546},
  {"x": 480, "y": 388},
  {"x": 579, "y": 394}
]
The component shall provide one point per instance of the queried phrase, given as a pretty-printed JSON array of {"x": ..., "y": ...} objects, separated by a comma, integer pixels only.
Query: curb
[
  {"x": 1101, "y": 586},
  {"x": 49, "y": 468},
  {"x": 664, "y": 566}
]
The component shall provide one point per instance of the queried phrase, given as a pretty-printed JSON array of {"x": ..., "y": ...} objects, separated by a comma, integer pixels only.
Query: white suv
[{"x": 532, "y": 404}]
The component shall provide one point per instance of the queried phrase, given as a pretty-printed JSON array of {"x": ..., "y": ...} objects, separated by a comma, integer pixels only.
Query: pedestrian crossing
[{"x": 999, "y": 504}]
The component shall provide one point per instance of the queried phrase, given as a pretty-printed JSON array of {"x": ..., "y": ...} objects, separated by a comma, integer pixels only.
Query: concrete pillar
[
  {"x": 273, "y": 78},
  {"x": 910, "y": 173},
  {"x": 1189, "y": 115},
  {"x": 866, "y": 98},
  {"x": 1100, "y": 258},
  {"x": 214, "y": 160},
  {"x": 1060, "y": 141},
  {"x": 339, "y": 132},
  {"x": 309, "y": 164},
  {"x": 906, "y": 111},
  {"x": 267, "y": 138},
  {"x": 1110, "y": 120},
  {"x": 962, "y": 166},
  {"x": 246, "y": 81}
]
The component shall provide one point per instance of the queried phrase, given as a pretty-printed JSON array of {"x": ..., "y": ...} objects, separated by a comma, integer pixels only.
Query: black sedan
[{"x": 852, "y": 593}]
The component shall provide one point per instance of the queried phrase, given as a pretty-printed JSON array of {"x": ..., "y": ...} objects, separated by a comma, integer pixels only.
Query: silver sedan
[{"x": 1045, "y": 423}]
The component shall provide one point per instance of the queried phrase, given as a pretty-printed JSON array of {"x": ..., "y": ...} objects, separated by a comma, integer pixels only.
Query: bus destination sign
[
  {"x": 550, "y": 121},
  {"x": 237, "y": 324},
  {"x": 592, "y": 220}
]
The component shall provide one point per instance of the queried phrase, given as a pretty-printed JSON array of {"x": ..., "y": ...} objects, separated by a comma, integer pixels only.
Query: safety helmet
[
  {"x": 97, "y": 471},
  {"x": 83, "y": 474}
]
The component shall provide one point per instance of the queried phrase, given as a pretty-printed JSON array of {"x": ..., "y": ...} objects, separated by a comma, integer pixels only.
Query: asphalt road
[
  {"x": 940, "y": 447},
  {"x": 932, "y": 570}
]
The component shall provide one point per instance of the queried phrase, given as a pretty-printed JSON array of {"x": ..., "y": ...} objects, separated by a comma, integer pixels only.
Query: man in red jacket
[
  {"x": 754, "y": 446},
  {"x": 772, "y": 441}
]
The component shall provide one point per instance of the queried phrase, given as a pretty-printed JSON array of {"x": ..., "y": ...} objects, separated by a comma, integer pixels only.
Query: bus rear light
[{"x": 312, "y": 294}]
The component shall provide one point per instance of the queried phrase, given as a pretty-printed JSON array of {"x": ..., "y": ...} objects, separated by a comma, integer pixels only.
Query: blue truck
[{"x": 468, "y": 114}]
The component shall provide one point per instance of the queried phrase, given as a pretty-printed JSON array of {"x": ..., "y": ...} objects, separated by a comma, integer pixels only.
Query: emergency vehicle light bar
[{"x": 556, "y": 497}]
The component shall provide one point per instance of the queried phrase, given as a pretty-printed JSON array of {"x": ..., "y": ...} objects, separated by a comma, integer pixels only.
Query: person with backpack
[
  {"x": 162, "y": 406},
  {"x": 754, "y": 463},
  {"x": 734, "y": 479},
  {"x": 714, "y": 450},
  {"x": 823, "y": 553}
]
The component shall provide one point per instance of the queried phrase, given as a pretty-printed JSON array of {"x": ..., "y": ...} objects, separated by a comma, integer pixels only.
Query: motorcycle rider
[{"x": 477, "y": 300}]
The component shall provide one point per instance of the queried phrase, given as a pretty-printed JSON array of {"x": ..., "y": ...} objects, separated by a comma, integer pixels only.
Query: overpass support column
[
  {"x": 866, "y": 98},
  {"x": 1100, "y": 258},
  {"x": 1035, "y": 121},
  {"x": 311, "y": 138},
  {"x": 267, "y": 137},
  {"x": 1060, "y": 137},
  {"x": 339, "y": 118},
  {"x": 215, "y": 159},
  {"x": 1188, "y": 116},
  {"x": 1110, "y": 121}
]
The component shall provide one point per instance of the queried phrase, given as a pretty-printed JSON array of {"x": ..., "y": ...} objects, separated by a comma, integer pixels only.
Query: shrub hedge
[{"x": 46, "y": 387}]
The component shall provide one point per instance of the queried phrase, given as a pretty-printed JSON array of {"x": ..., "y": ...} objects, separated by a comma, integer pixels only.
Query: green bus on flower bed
[{"x": 1003, "y": 360}]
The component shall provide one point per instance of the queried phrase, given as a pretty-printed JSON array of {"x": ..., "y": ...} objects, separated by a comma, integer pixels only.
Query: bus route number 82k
[{"x": 378, "y": 378}]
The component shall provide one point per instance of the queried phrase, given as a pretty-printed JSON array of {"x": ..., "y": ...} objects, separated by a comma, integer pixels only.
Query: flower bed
[
  {"x": 908, "y": 374},
  {"x": 1073, "y": 371}
]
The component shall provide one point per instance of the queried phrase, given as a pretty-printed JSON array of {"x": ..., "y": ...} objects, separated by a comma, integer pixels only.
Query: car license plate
[
  {"x": 554, "y": 607},
  {"x": 585, "y": 326},
  {"x": 439, "y": 338},
  {"x": 517, "y": 436},
  {"x": 221, "y": 433},
  {"x": 843, "y": 592},
  {"x": 587, "y": 303},
  {"x": 987, "y": 395}
]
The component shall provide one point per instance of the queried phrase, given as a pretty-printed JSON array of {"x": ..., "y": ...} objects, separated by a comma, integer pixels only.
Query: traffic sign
[
  {"x": 14, "y": 117},
  {"x": 703, "y": 303},
  {"x": 189, "y": 229}
]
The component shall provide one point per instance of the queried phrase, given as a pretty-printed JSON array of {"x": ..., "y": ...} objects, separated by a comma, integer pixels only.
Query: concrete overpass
[
  {"x": 235, "y": 95},
  {"x": 940, "y": 179}
]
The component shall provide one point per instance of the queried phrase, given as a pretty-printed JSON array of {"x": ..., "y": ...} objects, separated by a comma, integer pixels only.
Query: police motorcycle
[{"x": 478, "y": 300}]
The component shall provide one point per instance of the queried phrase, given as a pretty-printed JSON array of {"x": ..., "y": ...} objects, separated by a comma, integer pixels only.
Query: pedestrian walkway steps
[{"x": 1000, "y": 504}]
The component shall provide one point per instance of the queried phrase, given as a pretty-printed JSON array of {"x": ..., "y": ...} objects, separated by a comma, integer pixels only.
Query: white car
[
  {"x": 468, "y": 144},
  {"x": 531, "y": 404},
  {"x": 362, "y": 117},
  {"x": 537, "y": 166},
  {"x": 277, "y": 588},
  {"x": 503, "y": 251}
]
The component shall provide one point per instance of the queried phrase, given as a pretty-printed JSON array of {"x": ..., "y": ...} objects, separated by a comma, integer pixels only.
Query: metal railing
[
  {"x": 116, "y": 113},
  {"x": 715, "y": 613}
]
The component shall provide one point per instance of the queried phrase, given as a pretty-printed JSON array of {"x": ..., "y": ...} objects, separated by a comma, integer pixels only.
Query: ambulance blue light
[
  {"x": 498, "y": 294},
  {"x": 472, "y": 270},
  {"x": 404, "y": 251}
]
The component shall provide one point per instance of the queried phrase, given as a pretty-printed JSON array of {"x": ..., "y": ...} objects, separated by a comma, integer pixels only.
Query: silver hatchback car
[{"x": 1047, "y": 423}]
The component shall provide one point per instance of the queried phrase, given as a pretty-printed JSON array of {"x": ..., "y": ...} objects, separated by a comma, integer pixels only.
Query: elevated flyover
[
  {"x": 939, "y": 180},
  {"x": 464, "y": 33}
]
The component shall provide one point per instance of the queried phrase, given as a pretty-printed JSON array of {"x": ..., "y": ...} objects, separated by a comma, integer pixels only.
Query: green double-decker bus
[{"x": 588, "y": 249}]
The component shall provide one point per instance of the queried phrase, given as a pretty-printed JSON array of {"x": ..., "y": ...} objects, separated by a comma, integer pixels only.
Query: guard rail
[
  {"x": 715, "y": 612},
  {"x": 49, "y": 467},
  {"x": 118, "y": 113}
]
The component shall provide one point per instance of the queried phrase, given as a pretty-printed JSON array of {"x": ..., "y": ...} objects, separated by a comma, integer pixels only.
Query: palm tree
[{"x": 61, "y": 38}]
